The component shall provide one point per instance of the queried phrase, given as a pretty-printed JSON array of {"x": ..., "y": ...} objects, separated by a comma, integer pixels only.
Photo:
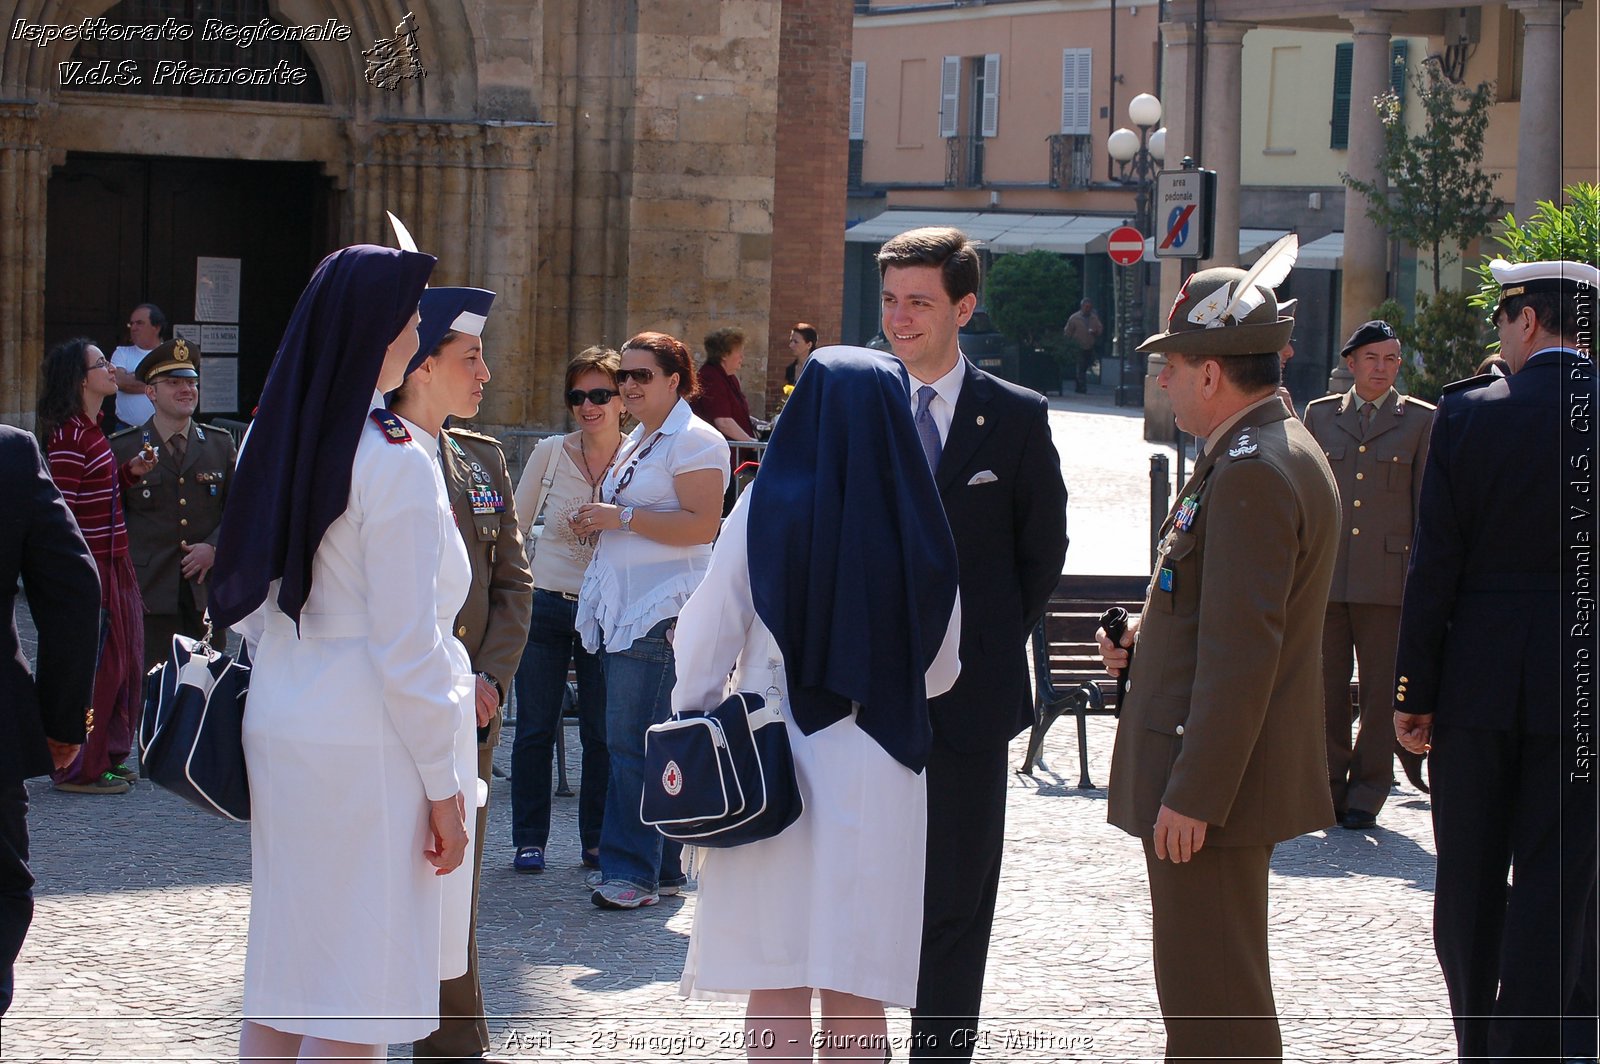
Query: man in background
[
  {"x": 1083, "y": 331},
  {"x": 145, "y": 326},
  {"x": 1376, "y": 443}
]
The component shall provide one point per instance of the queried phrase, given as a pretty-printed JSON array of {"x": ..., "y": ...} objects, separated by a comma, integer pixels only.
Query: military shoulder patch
[
  {"x": 394, "y": 430},
  {"x": 1421, "y": 404},
  {"x": 468, "y": 434},
  {"x": 1244, "y": 444}
]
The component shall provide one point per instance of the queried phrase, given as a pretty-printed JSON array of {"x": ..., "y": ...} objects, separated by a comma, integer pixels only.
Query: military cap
[
  {"x": 1527, "y": 278},
  {"x": 1368, "y": 332},
  {"x": 1229, "y": 311},
  {"x": 175, "y": 358}
]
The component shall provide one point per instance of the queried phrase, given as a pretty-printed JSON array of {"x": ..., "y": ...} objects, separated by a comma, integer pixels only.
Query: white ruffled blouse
[{"x": 633, "y": 583}]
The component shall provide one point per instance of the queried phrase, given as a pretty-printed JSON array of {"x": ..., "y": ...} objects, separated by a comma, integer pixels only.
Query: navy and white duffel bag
[{"x": 721, "y": 777}]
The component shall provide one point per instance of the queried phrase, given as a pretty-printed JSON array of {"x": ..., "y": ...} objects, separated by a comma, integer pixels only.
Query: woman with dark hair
[
  {"x": 340, "y": 556},
  {"x": 562, "y": 474},
  {"x": 721, "y": 401},
  {"x": 660, "y": 507},
  {"x": 846, "y": 618},
  {"x": 802, "y": 341},
  {"x": 75, "y": 379}
]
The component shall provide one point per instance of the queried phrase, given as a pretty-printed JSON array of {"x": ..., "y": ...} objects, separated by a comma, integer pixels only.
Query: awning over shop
[
  {"x": 1002, "y": 233},
  {"x": 1323, "y": 253},
  {"x": 1007, "y": 233}
]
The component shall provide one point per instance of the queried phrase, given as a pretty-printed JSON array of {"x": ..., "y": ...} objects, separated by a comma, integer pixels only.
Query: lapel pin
[{"x": 980, "y": 419}]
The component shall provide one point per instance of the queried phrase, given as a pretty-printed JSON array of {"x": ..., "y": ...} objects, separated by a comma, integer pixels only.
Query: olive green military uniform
[
  {"x": 1222, "y": 720},
  {"x": 1379, "y": 474},
  {"x": 493, "y": 626},
  {"x": 178, "y": 502}
]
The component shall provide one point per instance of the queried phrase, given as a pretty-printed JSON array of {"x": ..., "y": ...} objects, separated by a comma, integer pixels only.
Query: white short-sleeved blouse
[{"x": 633, "y": 582}]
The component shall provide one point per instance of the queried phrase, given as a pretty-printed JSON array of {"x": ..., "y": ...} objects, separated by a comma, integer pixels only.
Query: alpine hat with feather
[{"x": 1229, "y": 311}]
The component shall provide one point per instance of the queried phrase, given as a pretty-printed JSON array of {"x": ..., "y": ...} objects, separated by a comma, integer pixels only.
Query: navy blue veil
[
  {"x": 293, "y": 478},
  {"x": 852, "y": 566}
]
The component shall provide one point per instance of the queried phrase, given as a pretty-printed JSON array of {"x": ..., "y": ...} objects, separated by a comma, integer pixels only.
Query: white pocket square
[{"x": 985, "y": 477}]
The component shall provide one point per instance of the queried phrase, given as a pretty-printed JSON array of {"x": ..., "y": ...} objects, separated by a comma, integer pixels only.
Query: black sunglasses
[
  {"x": 597, "y": 396},
  {"x": 643, "y": 376}
]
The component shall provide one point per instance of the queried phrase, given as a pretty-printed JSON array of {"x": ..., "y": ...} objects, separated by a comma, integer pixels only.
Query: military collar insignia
[
  {"x": 394, "y": 430},
  {"x": 1244, "y": 444}
]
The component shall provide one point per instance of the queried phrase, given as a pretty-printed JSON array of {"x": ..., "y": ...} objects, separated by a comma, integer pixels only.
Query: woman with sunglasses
[
  {"x": 74, "y": 380},
  {"x": 660, "y": 507},
  {"x": 562, "y": 474}
]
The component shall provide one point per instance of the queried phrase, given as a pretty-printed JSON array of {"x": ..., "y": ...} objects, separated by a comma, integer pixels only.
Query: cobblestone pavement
[{"x": 137, "y": 947}]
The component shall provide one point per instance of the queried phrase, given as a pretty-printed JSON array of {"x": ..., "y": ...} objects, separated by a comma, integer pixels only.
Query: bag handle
[{"x": 547, "y": 479}]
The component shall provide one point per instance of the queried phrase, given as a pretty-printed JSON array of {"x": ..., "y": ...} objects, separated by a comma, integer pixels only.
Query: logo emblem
[{"x": 672, "y": 779}]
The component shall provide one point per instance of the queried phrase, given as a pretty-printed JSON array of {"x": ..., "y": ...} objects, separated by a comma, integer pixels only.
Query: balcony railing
[
  {"x": 964, "y": 161},
  {"x": 1069, "y": 160}
]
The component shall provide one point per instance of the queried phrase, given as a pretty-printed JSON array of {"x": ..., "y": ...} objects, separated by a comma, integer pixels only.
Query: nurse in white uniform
[
  {"x": 346, "y": 560},
  {"x": 846, "y": 617}
]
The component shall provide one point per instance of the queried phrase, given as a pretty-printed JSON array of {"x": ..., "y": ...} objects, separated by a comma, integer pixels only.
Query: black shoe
[{"x": 1358, "y": 820}]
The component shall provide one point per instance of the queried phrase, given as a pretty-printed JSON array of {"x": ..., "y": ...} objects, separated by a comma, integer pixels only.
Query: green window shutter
[
  {"x": 1398, "y": 54},
  {"x": 1340, "y": 123}
]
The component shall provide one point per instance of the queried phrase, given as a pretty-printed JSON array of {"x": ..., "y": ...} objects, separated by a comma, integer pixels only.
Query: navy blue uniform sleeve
[
  {"x": 63, "y": 588},
  {"x": 1438, "y": 554}
]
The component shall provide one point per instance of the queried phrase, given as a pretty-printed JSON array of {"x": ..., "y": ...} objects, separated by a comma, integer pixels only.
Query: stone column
[
  {"x": 1221, "y": 122},
  {"x": 1366, "y": 247},
  {"x": 1539, "y": 131},
  {"x": 24, "y": 181}
]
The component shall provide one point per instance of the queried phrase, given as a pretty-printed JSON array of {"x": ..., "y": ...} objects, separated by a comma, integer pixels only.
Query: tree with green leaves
[
  {"x": 1031, "y": 295},
  {"x": 1438, "y": 196},
  {"x": 1568, "y": 231}
]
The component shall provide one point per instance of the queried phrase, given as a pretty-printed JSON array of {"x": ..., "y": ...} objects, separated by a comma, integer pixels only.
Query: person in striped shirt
[{"x": 75, "y": 380}]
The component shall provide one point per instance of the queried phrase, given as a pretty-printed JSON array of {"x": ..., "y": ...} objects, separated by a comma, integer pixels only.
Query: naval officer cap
[
  {"x": 1229, "y": 311},
  {"x": 1529, "y": 278},
  {"x": 447, "y": 310},
  {"x": 175, "y": 358}
]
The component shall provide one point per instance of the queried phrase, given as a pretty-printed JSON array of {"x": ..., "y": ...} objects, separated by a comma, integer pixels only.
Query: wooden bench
[{"x": 1068, "y": 674}]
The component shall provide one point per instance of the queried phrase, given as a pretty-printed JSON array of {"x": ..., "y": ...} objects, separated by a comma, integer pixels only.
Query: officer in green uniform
[
  {"x": 1219, "y": 752},
  {"x": 446, "y": 380},
  {"x": 173, "y": 511},
  {"x": 1376, "y": 442}
]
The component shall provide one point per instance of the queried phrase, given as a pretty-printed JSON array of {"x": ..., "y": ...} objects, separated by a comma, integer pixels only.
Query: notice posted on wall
[
  {"x": 216, "y": 289},
  {"x": 219, "y": 339},
  {"x": 189, "y": 332},
  {"x": 219, "y": 385}
]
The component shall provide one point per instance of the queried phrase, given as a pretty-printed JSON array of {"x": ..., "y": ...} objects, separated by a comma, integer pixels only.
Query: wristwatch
[
  {"x": 492, "y": 682},
  {"x": 626, "y": 515}
]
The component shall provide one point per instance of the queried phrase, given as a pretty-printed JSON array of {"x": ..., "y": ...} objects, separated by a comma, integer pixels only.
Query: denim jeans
[
  {"x": 639, "y": 693},
  {"x": 540, "y": 681}
]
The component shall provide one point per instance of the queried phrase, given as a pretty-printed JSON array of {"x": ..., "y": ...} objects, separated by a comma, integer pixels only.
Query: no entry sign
[{"x": 1125, "y": 245}]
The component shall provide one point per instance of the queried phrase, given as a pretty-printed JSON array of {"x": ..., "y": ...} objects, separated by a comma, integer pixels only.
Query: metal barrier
[{"x": 1160, "y": 500}]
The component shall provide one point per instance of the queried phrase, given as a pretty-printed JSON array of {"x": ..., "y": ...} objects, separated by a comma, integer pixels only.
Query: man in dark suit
[
  {"x": 1219, "y": 752},
  {"x": 1495, "y": 674},
  {"x": 1000, "y": 479},
  {"x": 44, "y": 714}
]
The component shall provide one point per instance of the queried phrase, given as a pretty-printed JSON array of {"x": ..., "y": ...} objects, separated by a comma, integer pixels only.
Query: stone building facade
[{"x": 607, "y": 166}]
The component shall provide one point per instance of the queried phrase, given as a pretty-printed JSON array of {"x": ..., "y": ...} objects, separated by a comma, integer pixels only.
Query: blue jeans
[
  {"x": 639, "y": 693},
  {"x": 540, "y": 681}
]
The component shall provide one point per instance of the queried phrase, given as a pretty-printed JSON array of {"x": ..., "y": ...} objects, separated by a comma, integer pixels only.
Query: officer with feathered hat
[{"x": 1219, "y": 750}]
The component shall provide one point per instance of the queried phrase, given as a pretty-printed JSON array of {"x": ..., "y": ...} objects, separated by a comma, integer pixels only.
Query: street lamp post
[{"x": 1138, "y": 156}]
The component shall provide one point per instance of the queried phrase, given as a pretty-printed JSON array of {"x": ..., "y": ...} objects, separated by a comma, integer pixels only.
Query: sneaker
[
  {"x": 106, "y": 783},
  {"x": 123, "y": 772},
  {"x": 529, "y": 859},
  {"x": 674, "y": 888},
  {"x": 593, "y": 879},
  {"x": 620, "y": 895}
]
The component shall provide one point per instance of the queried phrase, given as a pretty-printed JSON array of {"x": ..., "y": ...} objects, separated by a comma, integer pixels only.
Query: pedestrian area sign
[{"x": 1185, "y": 213}]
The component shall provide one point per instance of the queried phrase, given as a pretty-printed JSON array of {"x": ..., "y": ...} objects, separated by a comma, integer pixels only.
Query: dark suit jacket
[
  {"x": 1223, "y": 717},
  {"x": 1011, "y": 539},
  {"x": 40, "y": 544},
  {"x": 1480, "y": 639}
]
